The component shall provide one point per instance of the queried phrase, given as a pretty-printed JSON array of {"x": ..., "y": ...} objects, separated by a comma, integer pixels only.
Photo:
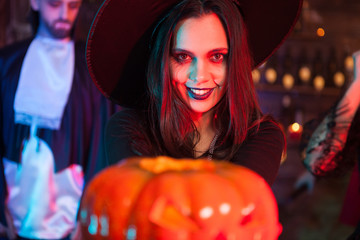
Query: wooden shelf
[{"x": 299, "y": 90}]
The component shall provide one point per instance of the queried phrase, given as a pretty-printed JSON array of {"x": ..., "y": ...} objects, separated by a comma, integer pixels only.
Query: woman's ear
[{"x": 34, "y": 5}]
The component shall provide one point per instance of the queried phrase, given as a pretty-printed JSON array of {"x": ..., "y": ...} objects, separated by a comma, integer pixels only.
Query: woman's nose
[{"x": 199, "y": 71}]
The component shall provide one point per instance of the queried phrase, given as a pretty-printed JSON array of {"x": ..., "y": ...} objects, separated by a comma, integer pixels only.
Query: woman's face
[{"x": 198, "y": 61}]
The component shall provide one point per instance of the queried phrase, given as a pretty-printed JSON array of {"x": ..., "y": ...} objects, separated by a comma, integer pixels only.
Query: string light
[
  {"x": 319, "y": 83},
  {"x": 256, "y": 75},
  {"x": 349, "y": 63},
  {"x": 270, "y": 75},
  {"x": 286, "y": 101},
  {"x": 339, "y": 79},
  {"x": 305, "y": 74},
  {"x": 288, "y": 81}
]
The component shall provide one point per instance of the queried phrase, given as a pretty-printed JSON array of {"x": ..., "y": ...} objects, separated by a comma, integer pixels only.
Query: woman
[{"x": 201, "y": 100}]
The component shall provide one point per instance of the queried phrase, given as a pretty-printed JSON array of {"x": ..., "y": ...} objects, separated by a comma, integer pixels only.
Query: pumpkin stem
[{"x": 162, "y": 164}]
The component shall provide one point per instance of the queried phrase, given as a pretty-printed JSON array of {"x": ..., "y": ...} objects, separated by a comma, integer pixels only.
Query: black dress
[{"x": 260, "y": 152}]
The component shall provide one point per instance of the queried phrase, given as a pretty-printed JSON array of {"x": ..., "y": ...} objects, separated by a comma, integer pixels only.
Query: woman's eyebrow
[
  {"x": 219, "y": 50},
  {"x": 178, "y": 50},
  {"x": 216, "y": 50}
]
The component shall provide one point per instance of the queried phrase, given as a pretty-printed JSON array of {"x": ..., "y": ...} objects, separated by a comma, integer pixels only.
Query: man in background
[{"x": 52, "y": 119}]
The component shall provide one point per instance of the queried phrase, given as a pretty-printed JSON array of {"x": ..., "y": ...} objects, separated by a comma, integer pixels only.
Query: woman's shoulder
[
  {"x": 262, "y": 150},
  {"x": 268, "y": 125}
]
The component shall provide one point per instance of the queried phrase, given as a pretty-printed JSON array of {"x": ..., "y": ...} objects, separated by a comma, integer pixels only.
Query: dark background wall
[{"x": 14, "y": 25}]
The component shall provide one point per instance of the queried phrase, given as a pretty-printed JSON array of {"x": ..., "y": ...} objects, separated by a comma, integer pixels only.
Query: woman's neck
[
  {"x": 204, "y": 125},
  {"x": 202, "y": 121}
]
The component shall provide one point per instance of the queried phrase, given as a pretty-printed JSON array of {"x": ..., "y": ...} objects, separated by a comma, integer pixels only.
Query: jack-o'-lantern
[{"x": 165, "y": 198}]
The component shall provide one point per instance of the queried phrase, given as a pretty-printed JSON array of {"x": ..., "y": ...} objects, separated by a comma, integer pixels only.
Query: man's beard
[{"x": 59, "y": 33}]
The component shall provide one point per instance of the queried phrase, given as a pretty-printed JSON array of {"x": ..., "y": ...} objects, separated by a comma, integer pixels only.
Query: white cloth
[
  {"x": 45, "y": 82},
  {"x": 43, "y": 203}
]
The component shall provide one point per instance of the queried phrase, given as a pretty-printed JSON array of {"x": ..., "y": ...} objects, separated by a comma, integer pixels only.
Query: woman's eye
[
  {"x": 218, "y": 57},
  {"x": 182, "y": 57}
]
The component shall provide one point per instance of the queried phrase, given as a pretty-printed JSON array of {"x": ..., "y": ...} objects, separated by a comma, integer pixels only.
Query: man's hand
[
  {"x": 10, "y": 231},
  {"x": 76, "y": 234}
]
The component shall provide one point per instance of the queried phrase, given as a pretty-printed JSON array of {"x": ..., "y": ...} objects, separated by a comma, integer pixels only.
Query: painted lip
[{"x": 199, "y": 93}]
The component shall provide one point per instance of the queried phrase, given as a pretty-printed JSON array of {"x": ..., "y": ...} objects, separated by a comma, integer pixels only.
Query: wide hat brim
[{"x": 118, "y": 42}]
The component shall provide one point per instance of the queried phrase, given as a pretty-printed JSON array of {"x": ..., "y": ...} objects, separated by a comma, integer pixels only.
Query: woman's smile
[{"x": 200, "y": 93}]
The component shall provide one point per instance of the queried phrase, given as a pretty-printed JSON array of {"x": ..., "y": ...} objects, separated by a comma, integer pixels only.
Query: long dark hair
[{"x": 170, "y": 130}]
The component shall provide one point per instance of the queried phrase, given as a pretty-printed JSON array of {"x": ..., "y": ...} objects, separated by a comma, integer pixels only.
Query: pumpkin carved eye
[
  {"x": 165, "y": 214},
  {"x": 247, "y": 214}
]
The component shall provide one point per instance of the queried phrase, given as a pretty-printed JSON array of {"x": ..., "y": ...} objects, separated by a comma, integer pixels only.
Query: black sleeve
[
  {"x": 103, "y": 109},
  {"x": 262, "y": 151},
  {"x": 117, "y": 137}
]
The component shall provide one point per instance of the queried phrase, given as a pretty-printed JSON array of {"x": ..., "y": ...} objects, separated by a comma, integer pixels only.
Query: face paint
[{"x": 199, "y": 61}]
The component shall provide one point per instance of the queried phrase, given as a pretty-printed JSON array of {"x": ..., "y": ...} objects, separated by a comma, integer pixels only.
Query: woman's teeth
[
  {"x": 200, "y": 94},
  {"x": 200, "y": 91}
]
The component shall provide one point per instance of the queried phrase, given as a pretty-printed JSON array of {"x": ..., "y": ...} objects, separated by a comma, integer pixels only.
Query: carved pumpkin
[{"x": 164, "y": 198}]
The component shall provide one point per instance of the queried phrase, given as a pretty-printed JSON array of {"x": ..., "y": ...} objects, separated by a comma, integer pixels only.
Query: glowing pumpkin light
[{"x": 164, "y": 198}]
